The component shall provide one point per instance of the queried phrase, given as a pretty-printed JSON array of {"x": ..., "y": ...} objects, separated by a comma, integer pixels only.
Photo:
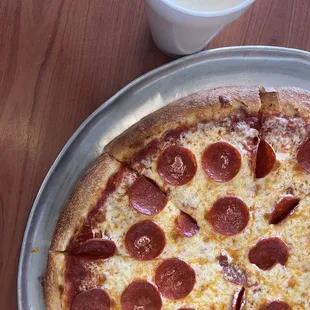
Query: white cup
[{"x": 179, "y": 31}]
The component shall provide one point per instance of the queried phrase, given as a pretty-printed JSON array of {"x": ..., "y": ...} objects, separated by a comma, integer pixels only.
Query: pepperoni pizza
[{"x": 203, "y": 204}]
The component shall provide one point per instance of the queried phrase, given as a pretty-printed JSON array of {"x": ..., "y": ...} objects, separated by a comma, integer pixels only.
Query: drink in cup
[{"x": 182, "y": 27}]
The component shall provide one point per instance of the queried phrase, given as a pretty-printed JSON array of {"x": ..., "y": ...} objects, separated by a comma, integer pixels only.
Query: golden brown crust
[
  {"x": 206, "y": 106},
  {"x": 54, "y": 281},
  {"x": 84, "y": 197},
  {"x": 289, "y": 101},
  {"x": 202, "y": 106}
]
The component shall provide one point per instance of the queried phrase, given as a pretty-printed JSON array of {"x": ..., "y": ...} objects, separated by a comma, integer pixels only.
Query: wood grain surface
[{"x": 60, "y": 60}]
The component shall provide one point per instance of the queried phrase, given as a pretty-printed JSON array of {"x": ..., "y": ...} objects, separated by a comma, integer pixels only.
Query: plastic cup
[{"x": 179, "y": 31}]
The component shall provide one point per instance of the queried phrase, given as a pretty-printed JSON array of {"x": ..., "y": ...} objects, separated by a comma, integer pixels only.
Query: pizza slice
[
  {"x": 201, "y": 152},
  {"x": 279, "y": 250},
  {"x": 283, "y": 161},
  {"x": 116, "y": 283},
  {"x": 281, "y": 224}
]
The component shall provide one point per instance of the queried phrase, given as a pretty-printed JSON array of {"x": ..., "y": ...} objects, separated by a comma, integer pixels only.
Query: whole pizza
[{"x": 203, "y": 204}]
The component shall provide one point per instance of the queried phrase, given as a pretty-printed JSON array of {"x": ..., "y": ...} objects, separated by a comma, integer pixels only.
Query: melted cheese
[
  {"x": 280, "y": 283},
  {"x": 290, "y": 283},
  {"x": 120, "y": 217},
  {"x": 197, "y": 197}
]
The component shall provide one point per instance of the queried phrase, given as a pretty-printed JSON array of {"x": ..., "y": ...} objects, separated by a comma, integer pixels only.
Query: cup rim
[{"x": 234, "y": 9}]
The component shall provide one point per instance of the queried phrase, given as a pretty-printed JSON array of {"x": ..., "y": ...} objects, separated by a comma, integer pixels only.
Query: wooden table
[{"x": 60, "y": 60}]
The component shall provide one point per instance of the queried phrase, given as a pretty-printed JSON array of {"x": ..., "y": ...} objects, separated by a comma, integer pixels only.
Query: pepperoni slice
[
  {"x": 239, "y": 300},
  {"x": 277, "y": 305},
  {"x": 283, "y": 209},
  {"x": 229, "y": 216},
  {"x": 303, "y": 155},
  {"x": 231, "y": 272},
  {"x": 95, "y": 248},
  {"x": 221, "y": 161},
  {"x": 175, "y": 279},
  {"x": 94, "y": 299},
  {"x": 141, "y": 295},
  {"x": 177, "y": 165},
  {"x": 145, "y": 240},
  {"x": 265, "y": 159},
  {"x": 186, "y": 225},
  {"x": 146, "y": 198},
  {"x": 269, "y": 252}
]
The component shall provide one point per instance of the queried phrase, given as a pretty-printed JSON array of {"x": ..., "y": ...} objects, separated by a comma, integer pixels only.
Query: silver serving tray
[{"x": 255, "y": 65}]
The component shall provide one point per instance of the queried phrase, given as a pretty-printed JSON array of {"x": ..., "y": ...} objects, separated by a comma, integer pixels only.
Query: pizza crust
[
  {"x": 54, "y": 281},
  {"x": 84, "y": 197},
  {"x": 207, "y": 106},
  {"x": 200, "y": 107},
  {"x": 289, "y": 101}
]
